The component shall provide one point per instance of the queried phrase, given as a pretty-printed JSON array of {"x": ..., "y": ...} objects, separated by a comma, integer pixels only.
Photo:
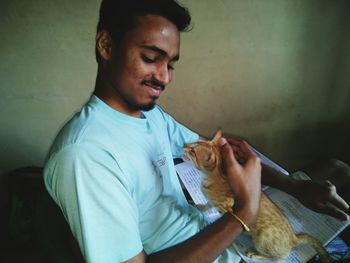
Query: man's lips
[{"x": 154, "y": 85}]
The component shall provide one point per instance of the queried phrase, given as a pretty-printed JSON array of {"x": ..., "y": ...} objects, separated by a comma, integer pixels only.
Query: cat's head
[{"x": 205, "y": 155}]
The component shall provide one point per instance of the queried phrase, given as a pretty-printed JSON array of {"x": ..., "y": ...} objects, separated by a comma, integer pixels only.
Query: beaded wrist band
[{"x": 245, "y": 227}]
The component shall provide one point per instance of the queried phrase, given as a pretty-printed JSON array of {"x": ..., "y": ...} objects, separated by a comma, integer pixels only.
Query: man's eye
[
  {"x": 147, "y": 59},
  {"x": 171, "y": 67}
]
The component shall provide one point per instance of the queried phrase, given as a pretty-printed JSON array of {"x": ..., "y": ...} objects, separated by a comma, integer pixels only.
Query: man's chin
[
  {"x": 148, "y": 107},
  {"x": 145, "y": 106}
]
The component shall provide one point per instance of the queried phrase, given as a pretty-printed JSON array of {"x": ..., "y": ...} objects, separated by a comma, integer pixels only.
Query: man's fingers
[
  {"x": 334, "y": 212},
  {"x": 242, "y": 151},
  {"x": 334, "y": 198},
  {"x": 237, "y": 151},
  {"x": 246, "y": 149},
  {"x": 243, "y": 146},
  {"x": 249, "y": 154},
  {"x": 335, "y": 206},
  {"x": 339, "y": 202},
  {"x": 227, "y": 154},
  {"x": 233, "y": 141}
]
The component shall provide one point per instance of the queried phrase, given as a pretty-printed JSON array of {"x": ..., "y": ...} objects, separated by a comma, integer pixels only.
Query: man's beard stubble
[{"x": 143, "y": 107}]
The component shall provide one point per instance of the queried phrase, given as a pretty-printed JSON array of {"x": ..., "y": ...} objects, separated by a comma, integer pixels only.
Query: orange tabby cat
[{"x": 272, "y": 235}]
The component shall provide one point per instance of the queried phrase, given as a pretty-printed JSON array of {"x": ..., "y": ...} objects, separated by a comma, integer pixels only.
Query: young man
[{"x": 111, "y": 168}]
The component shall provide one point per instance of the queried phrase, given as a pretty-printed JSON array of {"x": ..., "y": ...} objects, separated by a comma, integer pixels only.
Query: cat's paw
[
  {"x": 250, "y": 253},
  {"x": 204, "y": 208},
  {"x": 253, "y": 254}
]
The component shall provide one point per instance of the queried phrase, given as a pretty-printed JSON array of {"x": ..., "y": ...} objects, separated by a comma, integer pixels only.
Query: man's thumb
[{"x": 228, "y": 157}]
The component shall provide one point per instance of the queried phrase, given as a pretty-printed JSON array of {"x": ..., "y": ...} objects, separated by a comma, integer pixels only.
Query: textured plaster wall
[{"x": 275, "y": 72}]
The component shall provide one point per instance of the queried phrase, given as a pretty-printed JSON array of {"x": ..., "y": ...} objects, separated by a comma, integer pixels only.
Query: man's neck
[{"x": 105, "y": 92}]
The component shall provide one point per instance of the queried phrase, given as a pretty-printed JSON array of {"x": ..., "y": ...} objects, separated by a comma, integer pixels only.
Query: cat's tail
[{"x": 317, "y": 245}]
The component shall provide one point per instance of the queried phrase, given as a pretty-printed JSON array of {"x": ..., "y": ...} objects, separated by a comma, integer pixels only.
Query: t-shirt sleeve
[
  {"x": 178, "y": 135},
  {"x": 96, "y": 199}
]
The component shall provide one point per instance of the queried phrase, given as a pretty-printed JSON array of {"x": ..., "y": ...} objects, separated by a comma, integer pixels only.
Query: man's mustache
[{"x": 154, "y": 83}]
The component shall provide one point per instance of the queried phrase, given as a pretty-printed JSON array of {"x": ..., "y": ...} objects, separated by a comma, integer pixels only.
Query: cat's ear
[{"x": 217, "y": 136}]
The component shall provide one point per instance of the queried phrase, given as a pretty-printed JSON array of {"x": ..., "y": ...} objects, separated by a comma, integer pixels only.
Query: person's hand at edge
[{"x": 244, "y": 179}]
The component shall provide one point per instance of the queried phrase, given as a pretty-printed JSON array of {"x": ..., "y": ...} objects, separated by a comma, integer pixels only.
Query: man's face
[{"x": 142, "y": 65}]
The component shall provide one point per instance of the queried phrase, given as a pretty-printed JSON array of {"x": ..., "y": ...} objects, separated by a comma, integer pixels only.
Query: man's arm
[
  {"x": 208, "y": 244},
  {"x": 312, "y": 194}
]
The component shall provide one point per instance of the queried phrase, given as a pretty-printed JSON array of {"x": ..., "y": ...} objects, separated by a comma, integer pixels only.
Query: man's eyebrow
[{"x": 160, "y": 51}]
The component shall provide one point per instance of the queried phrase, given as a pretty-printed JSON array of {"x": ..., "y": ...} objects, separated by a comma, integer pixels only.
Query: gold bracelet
[{"x": 245, "y": 227}]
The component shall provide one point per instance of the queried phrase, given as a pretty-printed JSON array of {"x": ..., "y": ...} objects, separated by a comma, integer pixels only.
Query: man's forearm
[
  {"x": 203, "y": 247},
  {"x": 277, "y": 179}
]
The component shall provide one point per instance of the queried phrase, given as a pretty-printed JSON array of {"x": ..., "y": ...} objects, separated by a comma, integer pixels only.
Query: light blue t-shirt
[{"x": 113, "y": 177}]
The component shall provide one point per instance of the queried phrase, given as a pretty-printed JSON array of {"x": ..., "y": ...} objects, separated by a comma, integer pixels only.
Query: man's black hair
[{"x": 119, "y": 16}]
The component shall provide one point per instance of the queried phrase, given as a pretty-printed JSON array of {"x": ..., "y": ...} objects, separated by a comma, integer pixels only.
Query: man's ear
[{"x": 104, "y": 44}]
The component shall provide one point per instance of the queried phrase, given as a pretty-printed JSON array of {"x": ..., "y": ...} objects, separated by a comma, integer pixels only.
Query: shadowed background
[{"x": 274, "y": 72}]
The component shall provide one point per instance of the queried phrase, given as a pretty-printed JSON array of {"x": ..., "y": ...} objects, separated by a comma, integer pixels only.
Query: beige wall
[{"x": 276, "y": 72}]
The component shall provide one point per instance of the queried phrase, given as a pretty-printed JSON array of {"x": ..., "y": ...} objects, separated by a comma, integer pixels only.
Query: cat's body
[{"x": 272, "y": 235}]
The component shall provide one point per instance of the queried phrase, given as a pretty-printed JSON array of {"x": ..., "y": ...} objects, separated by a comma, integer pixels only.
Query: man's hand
[
  {"x": 244, "y": 179},
  {"x": 321, "y": 197}
]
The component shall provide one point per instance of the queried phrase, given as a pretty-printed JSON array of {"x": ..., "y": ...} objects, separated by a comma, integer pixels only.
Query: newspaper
[
  {"x": 302, "y": 219},
  {"x": 191, "y": 178}
]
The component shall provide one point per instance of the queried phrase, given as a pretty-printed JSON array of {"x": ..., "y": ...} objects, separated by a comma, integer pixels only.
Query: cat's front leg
[
  {"x": 253, "y": 254},
  {"x": 204, "y": 207}
]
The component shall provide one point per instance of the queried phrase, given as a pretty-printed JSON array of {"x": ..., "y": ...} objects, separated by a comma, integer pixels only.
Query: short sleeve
[
  {"x": 178, "y": 135},
  {"x": 96, "y": 199}
]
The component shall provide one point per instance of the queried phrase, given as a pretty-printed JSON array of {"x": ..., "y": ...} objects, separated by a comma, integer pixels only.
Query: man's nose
[{"x": 163, "y": 75}]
